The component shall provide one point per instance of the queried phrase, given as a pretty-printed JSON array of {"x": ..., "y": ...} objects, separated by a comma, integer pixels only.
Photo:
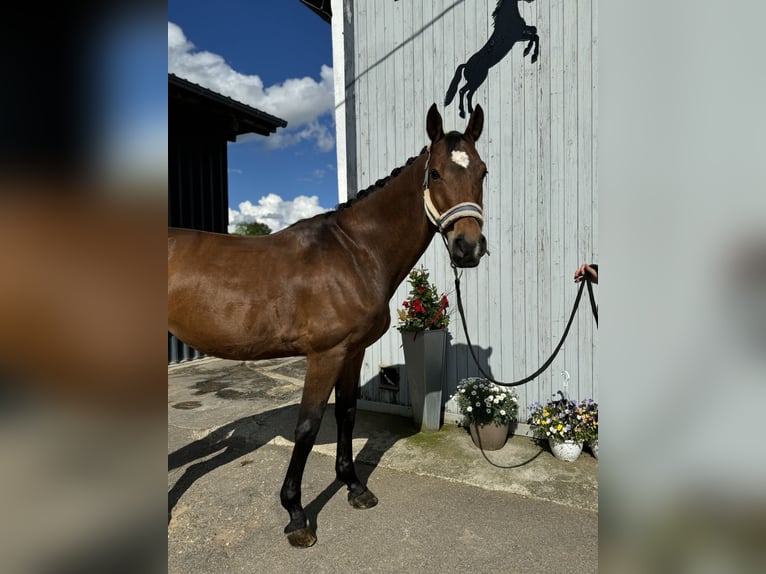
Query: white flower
[
  {"x": 490, "y": 397},
  {"x": 473, "y": 392},
  {"x": 489, "y": 410},
  {"x": 478, "y": 404},
  {"x": 514, "y": 399},
  {"x": 462, "y": 391},
  {"x": 502, "y": 413},
  {"x": 496, "y": 401},
  {"x": 547, "y": 433},
  {"x": 469, "y": 409}
]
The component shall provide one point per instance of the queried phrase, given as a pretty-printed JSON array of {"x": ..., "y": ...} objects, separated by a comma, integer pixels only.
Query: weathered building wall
[{"x": 540, "y": 198}]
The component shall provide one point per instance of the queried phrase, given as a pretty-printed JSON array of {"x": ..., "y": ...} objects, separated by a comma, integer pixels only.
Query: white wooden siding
[{"x": 540, "y": 199}]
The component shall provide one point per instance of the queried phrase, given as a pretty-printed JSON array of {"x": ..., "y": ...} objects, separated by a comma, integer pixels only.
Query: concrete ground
[{"x": 443, "y": 506}]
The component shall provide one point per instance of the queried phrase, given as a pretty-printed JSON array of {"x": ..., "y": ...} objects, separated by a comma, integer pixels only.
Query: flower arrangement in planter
[
  {"x": 558, "y": 421},
  {"x": 424, "y": 308},
  {"x": 488, "y": 411},
  {"x": 422, "y": 324},
  {"x": 482, "y": 402},
  {"x": 562, "y": 423}
]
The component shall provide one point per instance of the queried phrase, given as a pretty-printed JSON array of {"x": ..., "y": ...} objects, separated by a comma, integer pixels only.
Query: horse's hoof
[
  {"x": 365, "y": 500},
  {"x": 302, "y": 538}
]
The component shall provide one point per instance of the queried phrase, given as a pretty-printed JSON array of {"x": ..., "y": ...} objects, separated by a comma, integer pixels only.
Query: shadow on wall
[
  {"x": 390, "y": 385},
  {"x": 509, "y": 28}
]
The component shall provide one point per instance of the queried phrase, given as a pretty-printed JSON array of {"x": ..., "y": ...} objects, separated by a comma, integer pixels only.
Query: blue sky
[{"x": 276, "y": 57}]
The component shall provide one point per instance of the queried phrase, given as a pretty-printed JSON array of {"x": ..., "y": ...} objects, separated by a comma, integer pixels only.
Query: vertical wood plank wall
[{"x": 541, "y": 196}]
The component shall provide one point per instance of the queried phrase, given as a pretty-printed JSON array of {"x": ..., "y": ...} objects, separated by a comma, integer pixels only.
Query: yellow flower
[
  {"x": 402, "y": 315},
  {"x": 559, "y": 427}
]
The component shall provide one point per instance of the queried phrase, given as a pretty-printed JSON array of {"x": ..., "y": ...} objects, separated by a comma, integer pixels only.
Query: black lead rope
[
  {"x": 517, "y": 465},
  {"x": 555, "y": 351},
  {"x": 593, "y": 306}
]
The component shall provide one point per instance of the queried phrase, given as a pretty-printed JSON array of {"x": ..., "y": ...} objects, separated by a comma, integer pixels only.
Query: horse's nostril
[{"x": 460, "y": 246}]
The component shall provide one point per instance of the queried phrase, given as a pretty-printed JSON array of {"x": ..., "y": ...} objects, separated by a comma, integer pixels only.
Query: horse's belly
[{"x": 234, "y": 332}]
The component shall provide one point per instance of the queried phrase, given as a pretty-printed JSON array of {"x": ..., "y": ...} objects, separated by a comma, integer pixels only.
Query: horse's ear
[
  {"x": 434, "y": 123},
  {"x": 475, "y": 123}
]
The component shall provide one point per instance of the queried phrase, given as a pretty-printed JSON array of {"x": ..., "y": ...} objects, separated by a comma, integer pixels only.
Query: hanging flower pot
[
  {"x": 567, "y": 450},
  {"x": 565, "y": 425}
]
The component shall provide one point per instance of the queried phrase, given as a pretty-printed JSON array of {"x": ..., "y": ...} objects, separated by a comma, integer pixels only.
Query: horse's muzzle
[{"x": 467, "y": 253}]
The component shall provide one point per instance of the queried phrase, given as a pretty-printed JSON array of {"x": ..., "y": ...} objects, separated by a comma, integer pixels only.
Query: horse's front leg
[
  {"x": 530, "y": 34},
  {"x": 359, "y": 496},
  {"x": 322, "y": 371}
]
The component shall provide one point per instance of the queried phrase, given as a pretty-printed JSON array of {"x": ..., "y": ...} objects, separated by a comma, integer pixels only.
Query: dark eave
[
  {"x": 320, "y": 7},
  {"x": 190, "y": 104}
]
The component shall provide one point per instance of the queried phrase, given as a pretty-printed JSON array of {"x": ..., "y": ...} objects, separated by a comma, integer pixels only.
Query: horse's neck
[{"x": 391, "y": 223}]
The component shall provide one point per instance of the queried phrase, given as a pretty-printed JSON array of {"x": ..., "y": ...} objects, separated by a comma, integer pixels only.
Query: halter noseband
[{"x": 459, "y": 211}]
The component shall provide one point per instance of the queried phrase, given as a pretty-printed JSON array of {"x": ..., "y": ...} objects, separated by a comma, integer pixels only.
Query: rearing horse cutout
[
  {"x": 321, "y": 288},
  {"x": 509, "y": 28}
]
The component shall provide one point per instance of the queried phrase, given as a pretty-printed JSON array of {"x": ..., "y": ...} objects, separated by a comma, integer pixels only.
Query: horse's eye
[{"x": 435, "y": 174}]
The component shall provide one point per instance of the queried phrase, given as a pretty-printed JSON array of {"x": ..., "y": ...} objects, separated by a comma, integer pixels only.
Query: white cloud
[
  {"x": 275, "y": 211},
  {"x": 300, "y": 101},
  {"x": 325, "y": 140}
]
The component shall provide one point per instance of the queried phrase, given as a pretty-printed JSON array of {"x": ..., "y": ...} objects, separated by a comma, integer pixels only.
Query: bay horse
[
  {"x": 509, "y": 28},
  {"x": 321, "y": 288}
]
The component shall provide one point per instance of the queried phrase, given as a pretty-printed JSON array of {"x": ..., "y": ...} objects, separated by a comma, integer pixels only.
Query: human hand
[{"x": 586, "y": 271}]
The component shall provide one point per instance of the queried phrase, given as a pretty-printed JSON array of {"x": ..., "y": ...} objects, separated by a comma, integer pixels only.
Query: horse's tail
[{"x": 453, "y": 86}]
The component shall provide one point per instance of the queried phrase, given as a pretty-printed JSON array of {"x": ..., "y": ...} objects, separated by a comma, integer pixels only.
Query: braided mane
[{"x": 377, "y": 185}]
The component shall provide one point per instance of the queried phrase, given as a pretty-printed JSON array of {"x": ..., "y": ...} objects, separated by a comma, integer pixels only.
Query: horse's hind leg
[
  {"x": 359, "y": 496},
  {"x": 322, "y": 371},
  {"x": 461, "y": 109},
  {"x": 469, "y": 101}
]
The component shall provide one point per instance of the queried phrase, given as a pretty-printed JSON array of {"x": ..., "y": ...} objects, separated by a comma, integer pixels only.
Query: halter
[{"x": 459, "y": 211}]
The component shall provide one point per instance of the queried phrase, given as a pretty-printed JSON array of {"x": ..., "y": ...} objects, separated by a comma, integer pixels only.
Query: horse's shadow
[
  {"x": 509, "y": 28},
  {"x": 244, "y": 436}
]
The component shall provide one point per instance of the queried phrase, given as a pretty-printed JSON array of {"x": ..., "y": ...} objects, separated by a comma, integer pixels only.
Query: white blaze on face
[{"x": 460, "y": 158}]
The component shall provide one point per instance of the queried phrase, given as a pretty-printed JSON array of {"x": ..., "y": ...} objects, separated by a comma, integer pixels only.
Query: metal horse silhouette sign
[{"x": 509, "y": 28}]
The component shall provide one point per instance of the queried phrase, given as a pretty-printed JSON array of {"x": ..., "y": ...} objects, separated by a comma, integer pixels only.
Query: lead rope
[{"x": 547, "y": 363}]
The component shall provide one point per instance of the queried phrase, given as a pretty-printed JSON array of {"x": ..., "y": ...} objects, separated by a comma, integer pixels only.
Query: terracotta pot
[{"x": 490, "y": 436}]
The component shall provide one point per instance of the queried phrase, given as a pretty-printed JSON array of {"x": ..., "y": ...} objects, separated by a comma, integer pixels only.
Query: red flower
[
  {"x": 418, "y": 306},
  {"x": 421, "y": 289},
  {"x": 406, "y": 304}
]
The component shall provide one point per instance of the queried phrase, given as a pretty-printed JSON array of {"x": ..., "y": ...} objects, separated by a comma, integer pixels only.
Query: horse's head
[{"x": 453, "y": 187}]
